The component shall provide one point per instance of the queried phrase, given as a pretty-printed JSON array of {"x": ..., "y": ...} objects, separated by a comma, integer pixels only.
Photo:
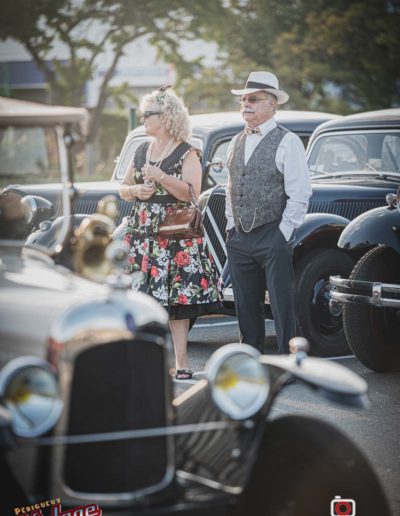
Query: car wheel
[
  {"x": 373, "y": 332},
  {"x": 315, "y": 321},
  {"x": 302, "y": 465}
]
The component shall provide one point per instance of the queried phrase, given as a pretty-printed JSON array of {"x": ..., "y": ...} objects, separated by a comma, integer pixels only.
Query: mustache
[{"x": 247, "y": 110}]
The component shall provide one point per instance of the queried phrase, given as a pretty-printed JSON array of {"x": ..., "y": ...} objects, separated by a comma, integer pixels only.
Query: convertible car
[
  {"x": 354, "y": 164},
  {"x": 211, "y": 134},
  {"x": 85, "y": 429}
]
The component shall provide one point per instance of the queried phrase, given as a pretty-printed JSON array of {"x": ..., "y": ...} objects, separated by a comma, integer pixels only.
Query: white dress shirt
[{"x": 291, "y": 161}]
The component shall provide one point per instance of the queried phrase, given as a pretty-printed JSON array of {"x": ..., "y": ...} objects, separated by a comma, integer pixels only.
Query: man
[{"x": 267, "y": 197}]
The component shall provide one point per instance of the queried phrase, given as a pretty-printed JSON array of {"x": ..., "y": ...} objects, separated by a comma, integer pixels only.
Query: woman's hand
[
  {"x": 144, "y": 192},
  {"x": 152, "y": 173}
]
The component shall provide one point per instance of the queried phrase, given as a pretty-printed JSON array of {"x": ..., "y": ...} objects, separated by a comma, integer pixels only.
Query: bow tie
[{"x": 249, "y": 131}]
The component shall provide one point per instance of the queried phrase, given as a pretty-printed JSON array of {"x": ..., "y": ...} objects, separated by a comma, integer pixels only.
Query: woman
[{"x": 177, "y": 273}]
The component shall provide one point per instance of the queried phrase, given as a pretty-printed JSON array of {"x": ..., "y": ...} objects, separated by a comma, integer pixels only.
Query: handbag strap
[{"x": 192, "y": 194}]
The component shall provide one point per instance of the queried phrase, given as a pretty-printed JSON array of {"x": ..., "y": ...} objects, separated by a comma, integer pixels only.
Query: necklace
[{"x": 164, "y": 153}]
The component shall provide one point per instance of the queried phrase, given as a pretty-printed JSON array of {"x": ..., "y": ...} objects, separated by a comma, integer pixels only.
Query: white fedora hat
[{"x": 266, "y": 81}]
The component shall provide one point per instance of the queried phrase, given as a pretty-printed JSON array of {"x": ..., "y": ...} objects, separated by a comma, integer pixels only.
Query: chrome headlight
[
  {"x": 239, "y": 383},
  {"x": 30, "y": 392}
]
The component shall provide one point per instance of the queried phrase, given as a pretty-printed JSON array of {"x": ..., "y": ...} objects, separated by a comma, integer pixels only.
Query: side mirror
[{"x": 217, "y": 165}]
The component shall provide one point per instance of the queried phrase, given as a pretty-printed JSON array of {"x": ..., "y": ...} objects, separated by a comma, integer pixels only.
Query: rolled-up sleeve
[{"x": 292, "y": 163}]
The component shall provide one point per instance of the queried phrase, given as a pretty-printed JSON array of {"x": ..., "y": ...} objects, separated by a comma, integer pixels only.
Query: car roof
[
  {"x": 210, "y": 122},
  {"x": 366, "y": 120},
  {"x": 23, "y": 113}
]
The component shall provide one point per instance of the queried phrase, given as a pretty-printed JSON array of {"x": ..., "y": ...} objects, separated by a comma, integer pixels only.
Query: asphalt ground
[{"x": 376, "y": 430}]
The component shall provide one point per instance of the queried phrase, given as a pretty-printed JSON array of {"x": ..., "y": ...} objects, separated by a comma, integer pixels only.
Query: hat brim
[{"x": 281, "y": 95}]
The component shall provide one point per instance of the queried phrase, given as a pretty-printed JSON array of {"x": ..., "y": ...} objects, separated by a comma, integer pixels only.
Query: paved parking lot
[{"x": 375, "y": 430}]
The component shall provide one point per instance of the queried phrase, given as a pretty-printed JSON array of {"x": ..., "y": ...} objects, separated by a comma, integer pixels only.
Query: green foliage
[
  {"x": 110, "y": 138},
  {"x": 335, "y": 55},
  {"x": 116, "y": 23}
]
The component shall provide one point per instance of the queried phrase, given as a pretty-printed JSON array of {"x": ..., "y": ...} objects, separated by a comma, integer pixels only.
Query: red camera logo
[{"x": 343, "y": 506}]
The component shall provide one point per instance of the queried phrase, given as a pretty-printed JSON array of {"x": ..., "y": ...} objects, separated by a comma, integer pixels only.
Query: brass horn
[{"x": 91, "y": 239}]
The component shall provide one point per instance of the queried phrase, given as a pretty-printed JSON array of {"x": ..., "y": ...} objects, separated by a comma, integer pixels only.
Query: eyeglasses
[
  {"x": 252, "y": 99},
  {"x": 146, "y": 114}
]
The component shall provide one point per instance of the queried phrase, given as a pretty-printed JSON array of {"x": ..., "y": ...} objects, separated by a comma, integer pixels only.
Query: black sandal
[{"x": 183, "y": 374}]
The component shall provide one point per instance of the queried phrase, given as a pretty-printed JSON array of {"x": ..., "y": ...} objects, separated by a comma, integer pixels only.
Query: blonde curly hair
[{"x": 174, "y": 113}]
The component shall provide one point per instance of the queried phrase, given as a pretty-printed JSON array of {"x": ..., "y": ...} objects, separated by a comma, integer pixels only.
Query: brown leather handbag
[{"x": 184, "y": 222}]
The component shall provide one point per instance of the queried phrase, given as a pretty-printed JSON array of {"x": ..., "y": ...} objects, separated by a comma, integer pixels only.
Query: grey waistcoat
[{"x": 257, "y": 189}]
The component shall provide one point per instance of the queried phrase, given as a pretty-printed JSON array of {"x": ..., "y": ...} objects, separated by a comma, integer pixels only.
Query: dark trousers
[{"x": 258, "y": 260}]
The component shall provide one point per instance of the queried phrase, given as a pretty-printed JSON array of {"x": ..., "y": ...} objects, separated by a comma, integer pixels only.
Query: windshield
[
  {"x": 29, "y": 155},
  {"x": 356, "y": 151},
  {"x": 129, "y": 149}
]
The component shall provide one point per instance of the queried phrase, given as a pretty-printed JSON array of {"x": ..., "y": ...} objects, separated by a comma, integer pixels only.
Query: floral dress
[{"x": 179, "y": 274}]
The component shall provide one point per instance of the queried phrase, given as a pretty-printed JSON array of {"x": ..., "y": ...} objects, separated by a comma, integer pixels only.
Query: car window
[
  {"x": 28, "y": 155},
  {"x": 356, "y": 152},
  {"x": 391, "y": 153},
  {"x": 128, "y": 151},
  {"x": 220, "y": 176},
  {"x": 216, "y": 173}
]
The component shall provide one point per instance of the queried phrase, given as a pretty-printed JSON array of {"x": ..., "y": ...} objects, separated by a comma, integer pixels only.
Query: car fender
[
  {"x": 380, "y": 226},
  {"x": 319, "y": 230}
]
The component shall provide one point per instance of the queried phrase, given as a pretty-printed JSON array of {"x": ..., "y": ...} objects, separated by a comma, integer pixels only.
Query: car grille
[
  {"x": 216, "y": 209},
  {"x": 349, "y": 209},
  {"x": 117, "y": 386},
  {"x": 214, "y": 225},
  {"x": 89, "y": 206}
]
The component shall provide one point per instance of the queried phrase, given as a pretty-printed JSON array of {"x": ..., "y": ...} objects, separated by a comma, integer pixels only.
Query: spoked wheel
[
  {"x": 303, "y": 464},
  {"x": 373, "y": 333},
  {"x": 315, "y": 321}
]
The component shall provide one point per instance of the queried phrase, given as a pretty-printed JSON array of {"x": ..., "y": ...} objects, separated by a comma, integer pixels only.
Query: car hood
[
  {"x": 95, "y": 186},
  {"x": 34, "y": 293}
]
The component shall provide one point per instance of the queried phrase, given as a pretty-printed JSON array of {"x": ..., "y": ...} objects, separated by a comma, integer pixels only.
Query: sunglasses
[
  {"x": 146, "y": 114},
  {"x": 252, "y": 99}
]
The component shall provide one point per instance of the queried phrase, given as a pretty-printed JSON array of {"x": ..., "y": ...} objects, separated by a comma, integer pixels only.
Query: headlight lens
[
  {"x": 239, "y": 383},
  {"x": 29, "y": 390}
]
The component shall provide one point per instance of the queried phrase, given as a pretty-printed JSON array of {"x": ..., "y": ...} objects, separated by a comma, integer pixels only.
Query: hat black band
[{"x": 260, "y": 85}]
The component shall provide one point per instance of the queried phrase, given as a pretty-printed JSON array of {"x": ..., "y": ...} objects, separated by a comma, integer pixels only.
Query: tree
[
  {"x": 337, "y": 55},
  {"x": 116, "y": 23}
]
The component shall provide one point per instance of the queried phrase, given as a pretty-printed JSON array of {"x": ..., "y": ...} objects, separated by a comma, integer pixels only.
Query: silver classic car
[{"x": 88, "y": 422}]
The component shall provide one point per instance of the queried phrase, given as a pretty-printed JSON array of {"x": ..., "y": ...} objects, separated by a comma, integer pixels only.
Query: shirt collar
[{"x": 267, "y": 126}]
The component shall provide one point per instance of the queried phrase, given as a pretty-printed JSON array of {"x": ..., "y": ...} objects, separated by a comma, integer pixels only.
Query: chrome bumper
[{"x": 364, "y": 292}]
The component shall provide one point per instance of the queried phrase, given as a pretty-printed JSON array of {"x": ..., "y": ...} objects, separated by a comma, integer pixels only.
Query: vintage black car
[
  {"x": 212, "y": 133},
  {"x": 371, "y": 295},
  {"x": 87, "y": 415},
  {"x": 354, "y": 162},
  {"x": 352, "y": 167}
]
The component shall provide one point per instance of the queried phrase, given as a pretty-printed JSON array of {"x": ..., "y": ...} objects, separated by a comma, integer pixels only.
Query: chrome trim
[
  {"x": 339, "y": 297},
  {"x": 212, "y": 250},
  {"x": 216, "y": 229},
  {"x": 213, "y": 484},
  {"x": 376, "y": 298},
  {"x": 10, "y": 370},
  {"x": 213, "y": 367},
  {"x": 79, "y": 340},
  {"x": 134, "y": 434}
]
